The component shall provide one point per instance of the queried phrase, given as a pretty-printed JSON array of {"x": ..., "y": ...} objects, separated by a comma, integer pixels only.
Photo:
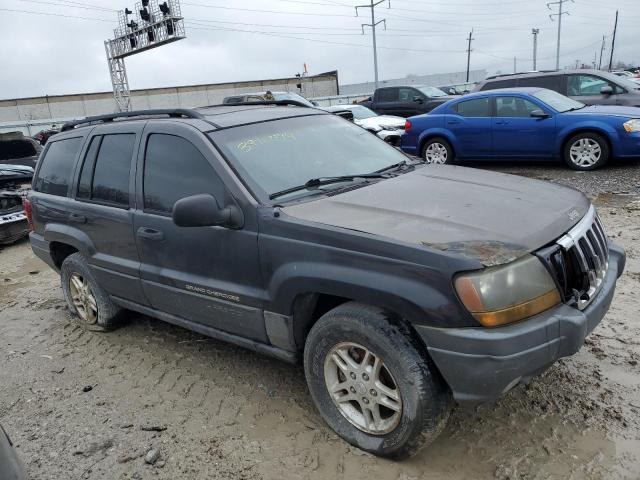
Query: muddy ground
[{"x": 88, "y": 405}]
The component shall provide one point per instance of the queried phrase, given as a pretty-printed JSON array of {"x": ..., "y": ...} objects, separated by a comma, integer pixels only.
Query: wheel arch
[
  {"x": 436, "y": 133},
  {"x": 567, "y": 136}
]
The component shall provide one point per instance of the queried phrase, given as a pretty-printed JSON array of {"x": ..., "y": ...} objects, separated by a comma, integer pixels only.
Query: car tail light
[
  {"x": 26, "y": 203},
  {"x": 407, "y": 126}
]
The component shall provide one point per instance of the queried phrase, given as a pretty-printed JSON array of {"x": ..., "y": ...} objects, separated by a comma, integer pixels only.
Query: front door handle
[{"x": 150, "y": 233}]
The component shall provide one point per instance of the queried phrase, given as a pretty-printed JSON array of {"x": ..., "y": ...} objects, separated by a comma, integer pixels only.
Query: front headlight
[
  {"x": 508, "y": 293},
  {"x": 632, "y": 125}
]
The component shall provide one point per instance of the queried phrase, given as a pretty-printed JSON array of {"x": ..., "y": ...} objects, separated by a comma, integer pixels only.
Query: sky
[{"x": 53, "y": 47}]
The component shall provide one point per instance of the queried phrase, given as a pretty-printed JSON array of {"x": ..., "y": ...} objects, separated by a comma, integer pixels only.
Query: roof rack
[
  {"x": 518, "y": 73},
  {"x": 295, "y": 103},
  {"x": 174, "y": 112}
]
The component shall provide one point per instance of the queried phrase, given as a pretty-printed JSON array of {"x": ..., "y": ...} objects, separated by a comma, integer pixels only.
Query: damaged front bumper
[
  {"x": 480, "y": 364},
  {"x": 13, "y": 226}
]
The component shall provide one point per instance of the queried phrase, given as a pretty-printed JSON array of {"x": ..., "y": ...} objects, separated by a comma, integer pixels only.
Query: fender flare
[{"x": 55, "y": 232}]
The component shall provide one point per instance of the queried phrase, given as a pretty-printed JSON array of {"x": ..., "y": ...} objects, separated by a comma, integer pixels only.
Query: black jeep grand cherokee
[{"x": 295, "y": 233}]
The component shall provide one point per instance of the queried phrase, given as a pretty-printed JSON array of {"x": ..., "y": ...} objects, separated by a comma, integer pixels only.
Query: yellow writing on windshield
[{"x": 250, "y": 144}]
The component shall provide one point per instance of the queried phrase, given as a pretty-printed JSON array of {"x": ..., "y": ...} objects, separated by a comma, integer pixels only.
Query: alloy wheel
[
  {"x": 585, "y": 152},
  {"x": 363, "y": 388},
  {"x": 436, "y": 153},
  {"x": 83, "y": 298}
]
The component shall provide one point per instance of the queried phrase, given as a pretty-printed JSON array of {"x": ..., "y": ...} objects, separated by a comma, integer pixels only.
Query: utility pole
[
  {"x": 373, "y": 26},
  {"x": 613, "y": 42},
  {"x": 601, "y": 52},
  {"x": 535, "y": 32},
  {"x": 560, "y": 13},
  {"x": 469, "y": 53}
]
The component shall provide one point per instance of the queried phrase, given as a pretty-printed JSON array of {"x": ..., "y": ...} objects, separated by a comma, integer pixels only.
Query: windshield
[
  {"x": 558, "y": 102},
  {"x": 292, "y": 96},
  {"x": 432, "y": 92},
  {"x": 274, "y": 156},
  {"x": 621, "y": 81},
  {"x": 360, "y": 112}
]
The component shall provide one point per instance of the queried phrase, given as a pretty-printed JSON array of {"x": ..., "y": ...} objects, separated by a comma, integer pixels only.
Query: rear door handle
[
  {"x": 76, "y": 218},
  {"x": 150, "y": 233}
]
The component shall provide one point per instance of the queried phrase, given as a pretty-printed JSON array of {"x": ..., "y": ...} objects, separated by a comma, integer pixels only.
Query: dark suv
[
  {"x": 591, "y": 87},
  {"x": 295, "y": 233}
]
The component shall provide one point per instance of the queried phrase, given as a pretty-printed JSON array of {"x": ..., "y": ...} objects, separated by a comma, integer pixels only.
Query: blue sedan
[{"x": 524, "y": 123}]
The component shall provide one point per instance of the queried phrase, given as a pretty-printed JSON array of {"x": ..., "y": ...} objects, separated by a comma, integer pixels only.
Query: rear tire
[
  {"x": 87, "y": 300},
  {"x": 586, "y": 151},
  {"x": 390, "y": 400},
  {"x": 438, "y": 151}
]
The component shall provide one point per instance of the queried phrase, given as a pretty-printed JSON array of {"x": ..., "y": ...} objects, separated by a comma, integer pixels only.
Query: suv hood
[{"x": 492, "y": 217}]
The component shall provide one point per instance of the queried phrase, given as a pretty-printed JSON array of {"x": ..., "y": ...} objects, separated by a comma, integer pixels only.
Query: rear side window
[
  {"x": 478, "y": 107},
  {"x": 173, "y": 169},
  {"x": 55, "y": 169},
  {"x": 551, "y": 82},
  {"x": 105, "y": 173},
  {"x": 387, "y": 95},
  {"x": 492, "y": 85}
]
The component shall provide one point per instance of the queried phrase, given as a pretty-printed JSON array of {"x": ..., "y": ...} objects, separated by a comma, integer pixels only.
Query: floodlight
[
  {"x": 144, "y": 15},
  {"x": 164, "y": 8}
]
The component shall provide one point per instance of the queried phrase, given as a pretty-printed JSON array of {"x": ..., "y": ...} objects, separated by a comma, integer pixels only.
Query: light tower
[{"x": 148, "y": 26}]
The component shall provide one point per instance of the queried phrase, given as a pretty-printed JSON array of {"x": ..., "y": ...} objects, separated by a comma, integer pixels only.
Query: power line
[{"x": 55, "y": 15}]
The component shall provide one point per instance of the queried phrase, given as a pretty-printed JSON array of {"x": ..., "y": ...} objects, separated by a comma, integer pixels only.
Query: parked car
[
  {"x": 17, "y": 149},
  {"x": 458, "y": 89},
  {"x": 591, "y": 87},
  {"x": 265, "y": 96},
  {"x": 297, "y": 234},
  {"x": 43, "y": 135},
  {"x": 11, "y": 467},
  {"x": 388, "y": 127},
  {"x": 524, "y": 123},
  {"x": 622, "y": 73},
  {"x": 405, "y": 101},
  {"x": 15, "y": 182}
]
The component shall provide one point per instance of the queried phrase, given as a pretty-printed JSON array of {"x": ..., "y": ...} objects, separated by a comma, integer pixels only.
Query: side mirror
[
  {"x": 606, "y": 90},
  {"x": 314, "y": 103},
  {"x": 418, "y": 99},
  {"x": 203, "y": 210},
  {"x": 539, "y": 113}
]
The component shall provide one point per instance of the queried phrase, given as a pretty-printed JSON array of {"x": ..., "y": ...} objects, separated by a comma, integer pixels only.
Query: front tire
[
  {"x": 371, "y": 384},
  {"x": 87, "y": 300},
  {"x": 586, "y": 151},
  {"x": 438, "y": 151}
]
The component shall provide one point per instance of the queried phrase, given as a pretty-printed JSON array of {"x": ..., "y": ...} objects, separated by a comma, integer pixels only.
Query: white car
[{"x": 388, "y": 127}]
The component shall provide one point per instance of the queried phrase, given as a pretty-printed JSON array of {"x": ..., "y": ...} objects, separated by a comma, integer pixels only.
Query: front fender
[{"x": 603, "y": 128}]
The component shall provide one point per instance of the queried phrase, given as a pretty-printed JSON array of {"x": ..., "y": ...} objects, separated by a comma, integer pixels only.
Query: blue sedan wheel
[
  {"x": 437, "y": 151},
  {"x": 586, "y": 151}
]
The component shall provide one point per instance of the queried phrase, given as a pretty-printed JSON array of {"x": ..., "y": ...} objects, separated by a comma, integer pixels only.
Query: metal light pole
[
  {"x": 535, "y": 32},
  {"x": 560, "y": 13},
  {"x": 373, "y": 26}
]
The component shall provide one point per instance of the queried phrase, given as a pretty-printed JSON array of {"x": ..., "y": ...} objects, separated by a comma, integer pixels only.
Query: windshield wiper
[
  {"x": 392, "y": 167},
  {"x": 318, "y": 182},
  {"x": 573, "y": 109}
]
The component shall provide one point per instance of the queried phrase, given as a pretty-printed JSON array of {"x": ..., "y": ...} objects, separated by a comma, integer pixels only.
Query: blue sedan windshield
[{"x": 558, "y": 102}]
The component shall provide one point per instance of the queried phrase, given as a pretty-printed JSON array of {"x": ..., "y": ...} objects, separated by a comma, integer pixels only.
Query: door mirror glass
[
  {"x": 606, "y": 90},
  {"x": 539, "y": 113},
  {"x": 203, "y": 210}
]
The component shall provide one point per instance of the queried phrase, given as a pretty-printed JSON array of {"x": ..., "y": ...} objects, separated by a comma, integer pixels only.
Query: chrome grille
[{"x": 586, "y": 247}]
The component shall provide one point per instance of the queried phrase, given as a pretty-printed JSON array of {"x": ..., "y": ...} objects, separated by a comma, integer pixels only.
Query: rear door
[
  {"x": 516, "y": 133},
  {"x": 103, "y": 207},
  {"x": 471, "y": 127},
  {"x": 208, "y": 275}
]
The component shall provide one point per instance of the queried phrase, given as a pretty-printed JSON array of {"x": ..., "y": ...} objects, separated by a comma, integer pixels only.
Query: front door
[
  {"x": 587, "y": 89},
  {"x": 517, "y": 134},
  {"x": 208, "y": 275}
]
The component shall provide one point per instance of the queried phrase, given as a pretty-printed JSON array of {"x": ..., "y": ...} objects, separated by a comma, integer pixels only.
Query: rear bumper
[
  {"x": 481, "y": 364},
  {"x": 42, "y": 249}
]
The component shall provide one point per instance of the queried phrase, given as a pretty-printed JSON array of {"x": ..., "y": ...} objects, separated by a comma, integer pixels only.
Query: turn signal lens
[{"x": 506, "y": 294}]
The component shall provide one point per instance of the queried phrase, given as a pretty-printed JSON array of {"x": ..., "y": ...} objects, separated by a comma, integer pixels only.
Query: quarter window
[
  {"x": 478, "y": 107},
  {"x": 514, "y": 107},
  {"x": 106, "y": 169},
  {"x": 173, "y": 169},
  {"x": 54, "y": 173}
]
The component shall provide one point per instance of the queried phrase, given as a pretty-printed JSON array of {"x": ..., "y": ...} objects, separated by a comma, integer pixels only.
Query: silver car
[{"x": 388, "y": 127}]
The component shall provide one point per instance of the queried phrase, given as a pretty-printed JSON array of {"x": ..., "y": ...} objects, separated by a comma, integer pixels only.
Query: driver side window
[
  {"x": 407, "y": 94},
  {"x": 173, "y": 169},
  {"x": 514, "y": 107},
  {"x": 587, "y": 85}
]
